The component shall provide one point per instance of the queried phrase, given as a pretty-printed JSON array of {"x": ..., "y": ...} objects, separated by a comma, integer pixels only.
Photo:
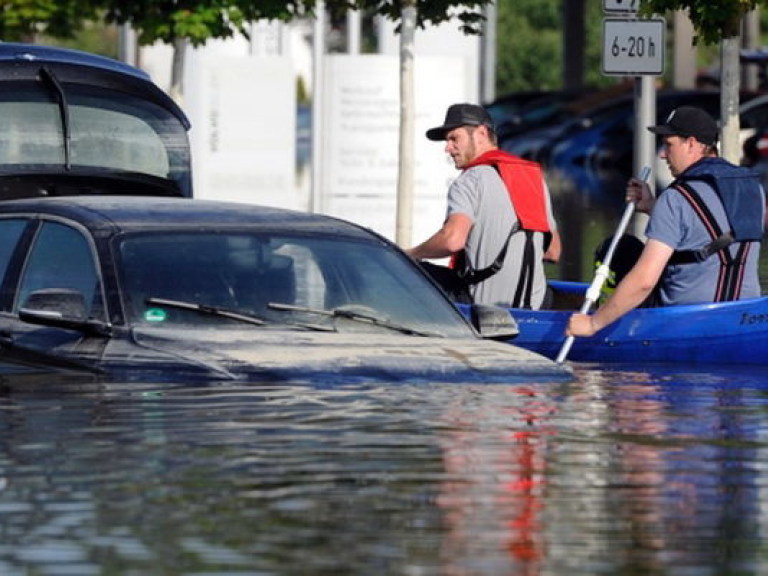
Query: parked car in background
[
  {"x": 509, "y": 105},
  {"x": 176, "y": 289},
  {"x": 588, "y": 139},
  {"x": 600, "y": 143},
  {"x": 76, "y": 123},
  {"x": 529, "y": 132}
]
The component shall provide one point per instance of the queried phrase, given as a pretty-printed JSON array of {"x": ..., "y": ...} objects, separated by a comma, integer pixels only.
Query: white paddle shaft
[{"x": 603, "y": 271}]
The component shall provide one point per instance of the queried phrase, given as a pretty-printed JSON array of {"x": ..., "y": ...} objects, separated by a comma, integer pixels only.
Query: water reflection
[
  {"x": 677, "y": 472},
  {"x": 495, "y": 461},
  {"x": 625, "y": 470}
]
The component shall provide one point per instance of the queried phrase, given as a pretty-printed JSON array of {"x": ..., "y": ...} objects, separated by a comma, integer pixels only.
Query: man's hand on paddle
[
  {"x": 580, "y": 325},
  {"x": 640, "y": 193}
]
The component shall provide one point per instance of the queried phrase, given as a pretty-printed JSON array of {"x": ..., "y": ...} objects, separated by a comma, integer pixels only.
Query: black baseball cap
[
  {"x": 461, "y": 115},
  {"x": 689, "y": 121}
]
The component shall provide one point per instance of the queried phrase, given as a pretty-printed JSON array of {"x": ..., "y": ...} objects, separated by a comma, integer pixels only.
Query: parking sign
[{"x": 633, "y": 47}]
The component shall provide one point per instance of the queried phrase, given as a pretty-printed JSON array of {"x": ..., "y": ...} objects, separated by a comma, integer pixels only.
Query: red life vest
[
  {"x": 525, "y": 185},
  {"x": 524, "y": 182}
]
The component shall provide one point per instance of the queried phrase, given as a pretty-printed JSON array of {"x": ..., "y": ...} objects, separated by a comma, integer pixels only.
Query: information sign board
[{"x": 633, "y": 47}]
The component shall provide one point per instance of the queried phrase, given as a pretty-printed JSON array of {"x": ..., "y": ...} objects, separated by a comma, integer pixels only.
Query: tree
[
  {"x": 197, "y": 21},
  {"x": 412, "y": 14},
  {"x": 192, "y": 21},
  {"x": 21, "y": 20},
  {"x": 716, "y": 21}
]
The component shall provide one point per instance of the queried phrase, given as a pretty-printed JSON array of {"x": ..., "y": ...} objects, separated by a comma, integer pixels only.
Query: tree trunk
[
  {"x": 730, "y": 81},
  {"x": 177, "y": 70},
  {"x": 405, "y": 177}
]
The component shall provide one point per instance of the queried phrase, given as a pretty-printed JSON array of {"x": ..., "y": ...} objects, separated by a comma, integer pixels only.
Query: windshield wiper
[
  {"x": 205, "y": 309},
  {"x": 61, "y": 96},
  {"x": 350, "y": 313}
]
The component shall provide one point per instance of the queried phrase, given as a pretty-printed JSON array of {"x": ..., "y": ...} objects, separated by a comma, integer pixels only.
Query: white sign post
[{"x": 633, "y": 47}]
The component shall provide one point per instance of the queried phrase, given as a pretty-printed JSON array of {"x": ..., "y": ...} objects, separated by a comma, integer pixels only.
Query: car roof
[
  {"x": 130, "y": 213},
  {"x": 20, "y": 61}
]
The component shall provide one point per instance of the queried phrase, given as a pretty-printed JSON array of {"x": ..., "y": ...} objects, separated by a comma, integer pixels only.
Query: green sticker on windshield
[{"x": 155, "y": 315}]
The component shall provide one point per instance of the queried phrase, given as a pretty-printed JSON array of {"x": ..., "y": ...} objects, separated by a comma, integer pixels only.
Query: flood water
[
  {"x": 624, "y": 470},
  {"x": 630, "y": 470}
]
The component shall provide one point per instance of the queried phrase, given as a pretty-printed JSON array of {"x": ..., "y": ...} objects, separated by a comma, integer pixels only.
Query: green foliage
[
  {"x": 194, "y": 20},
  {"x": 429, "y": 12},
  {"x": 94, "y": 37},
  {"x": 530, "y": 45},
  {"x": 22, "y": 19},
  {"x": 712, "y": 19},
  {"x": 201, "y": 20}
]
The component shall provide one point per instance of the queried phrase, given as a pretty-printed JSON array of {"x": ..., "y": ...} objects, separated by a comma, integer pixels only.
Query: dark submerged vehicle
[
  {"x": 109, "y": 267},
  {"x": 179, "y": 289}
]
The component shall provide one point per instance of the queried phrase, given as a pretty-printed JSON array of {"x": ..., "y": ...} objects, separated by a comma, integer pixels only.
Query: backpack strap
[
  {"x": 732, "y": 268},
  {"x": 525, "y": 283},
  {"x": 476, "y": 276}
]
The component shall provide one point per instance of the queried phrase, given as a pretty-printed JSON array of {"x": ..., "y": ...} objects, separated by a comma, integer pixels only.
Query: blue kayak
[{"x": 716, "y": 333}]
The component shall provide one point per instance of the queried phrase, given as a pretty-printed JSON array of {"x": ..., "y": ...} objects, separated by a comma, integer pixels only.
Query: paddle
[{"x": 602, "y": 272}]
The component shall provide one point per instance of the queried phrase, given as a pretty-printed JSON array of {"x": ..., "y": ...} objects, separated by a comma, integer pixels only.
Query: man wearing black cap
[
  {"x": 499, "y": 220},
  {"x": 704, "y": 231}
]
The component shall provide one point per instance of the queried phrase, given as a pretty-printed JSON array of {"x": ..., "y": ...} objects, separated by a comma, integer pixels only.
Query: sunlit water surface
[{"x": 624, "y": 470}]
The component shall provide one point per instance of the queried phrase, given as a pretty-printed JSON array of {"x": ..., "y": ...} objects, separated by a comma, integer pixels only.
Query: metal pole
[
  {"x": 645, "y": 141},
  {"x": 406, "y": 163},
  {"x": 751, "y": 39},
  {"x": 318, "y": 57},
  {"x": 488, "y": 55},
  {"x": 353, "y": 31},
  {"x": 645, "y": 115},
  {"x": 128, "y": 45}
]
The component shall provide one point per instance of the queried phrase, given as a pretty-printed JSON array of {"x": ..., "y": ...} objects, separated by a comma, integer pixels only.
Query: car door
[{"x": 59, "y": 256}]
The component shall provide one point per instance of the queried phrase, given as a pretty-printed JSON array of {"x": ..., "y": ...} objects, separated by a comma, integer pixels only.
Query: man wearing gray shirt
[
  {"x": 498, "y": 200},
  {"x": 704, "y": 231}
]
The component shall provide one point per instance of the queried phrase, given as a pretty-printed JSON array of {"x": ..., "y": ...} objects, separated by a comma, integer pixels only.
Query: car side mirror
[
  {"x": 60, "y": 308},
  {"x": 59, "y": 302},
  {"x": 493, "y": 322}
]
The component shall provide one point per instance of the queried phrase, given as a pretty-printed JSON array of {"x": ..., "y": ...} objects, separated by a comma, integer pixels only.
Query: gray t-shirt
[
  {"x": 674, "y": 222},
  {"x": 479, "y": 193}
]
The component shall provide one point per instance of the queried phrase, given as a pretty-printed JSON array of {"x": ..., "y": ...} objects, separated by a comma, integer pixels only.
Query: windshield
[
  {"x": 108, "y": 130},
  {"x": 306, "y": 282}
]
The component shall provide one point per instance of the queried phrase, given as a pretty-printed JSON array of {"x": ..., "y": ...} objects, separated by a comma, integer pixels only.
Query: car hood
[{"x": 337, "y": 357}]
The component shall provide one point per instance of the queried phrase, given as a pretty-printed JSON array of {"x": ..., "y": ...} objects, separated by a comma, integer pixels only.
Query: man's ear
[{"x": 485, "y": 131}]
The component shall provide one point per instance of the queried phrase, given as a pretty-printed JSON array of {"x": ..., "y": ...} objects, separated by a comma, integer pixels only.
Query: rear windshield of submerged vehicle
[
  {"x": 247, "y": 273},
  {"x": 107, "y": 129}
]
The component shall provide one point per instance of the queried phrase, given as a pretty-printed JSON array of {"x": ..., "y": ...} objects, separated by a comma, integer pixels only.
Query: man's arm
[
  {"x": 451, "y": 238},
  {"x": 555, "y": 249},
  {"x": 636, "y": 286}
]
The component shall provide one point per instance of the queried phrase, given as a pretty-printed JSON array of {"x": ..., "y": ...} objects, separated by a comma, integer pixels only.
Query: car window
[
  {"x": 10, "y": 232},
  {"x": 61, "y": 257},
  {"x": 107, "y": 130},
  {"x": 250, "y": 273}
]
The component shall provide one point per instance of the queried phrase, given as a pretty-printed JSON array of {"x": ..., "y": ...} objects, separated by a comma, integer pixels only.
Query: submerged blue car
[
  {"x": 180, "y": 289},
  {"x": 108, "y": 266}
]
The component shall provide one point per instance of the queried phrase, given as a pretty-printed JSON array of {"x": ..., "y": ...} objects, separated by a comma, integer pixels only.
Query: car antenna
[{"x": 48, "y": 75}]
